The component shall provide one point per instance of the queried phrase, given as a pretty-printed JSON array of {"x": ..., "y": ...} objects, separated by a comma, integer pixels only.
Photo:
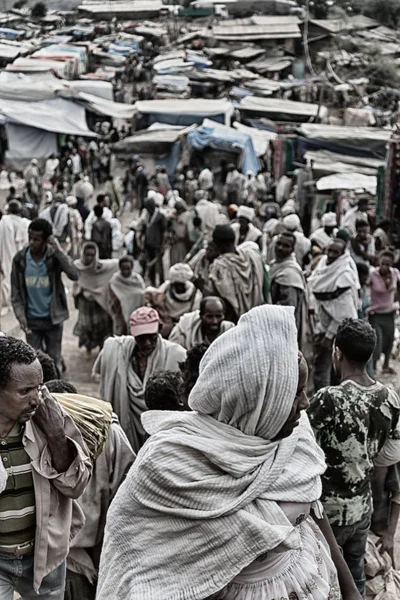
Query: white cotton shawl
[
  {"x": 60, "y": 219},
  {"x": 201, "y": 501},
  {"x": 187, "y": 332},
  {"x": 287, "y": 272},
  {"x": 120, "y": 385},
  {"x": 239, "y": 278},
  {"x": 338, "y": 275},
  {"x": 129, "y": 291}
]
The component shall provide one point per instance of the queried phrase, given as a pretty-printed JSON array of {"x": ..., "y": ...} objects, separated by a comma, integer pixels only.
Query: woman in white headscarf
[
  {"x": 175, "y": 297},
  {"x": 92, "y": 299},
  {"x": 220, "y": 501}
]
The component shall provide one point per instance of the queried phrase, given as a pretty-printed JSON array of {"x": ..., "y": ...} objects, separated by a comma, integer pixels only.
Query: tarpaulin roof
[
  {"x": 226, "y": 138},
  {"x": 57, "y": 115},
  {"x": 117, "y": 110},
  {"x": 333, "y": 162},
  {"x": 348, "y": 181},
  {"x": 197, "y": 106},
  {"x": 283, "y": 107},
  {"x": 369, "y": 140},
  {"x": 261, "y": 138}
]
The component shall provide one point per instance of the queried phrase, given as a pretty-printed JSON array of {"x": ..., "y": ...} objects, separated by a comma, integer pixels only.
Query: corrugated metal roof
[
  {"x": 257, "y": 32},
  {"x": 362, "y": 22},
  {"x": 333, "y": 25},
  {"x": 277, "y": 105},
  {"x": 271, "y": 64},
  {"x": 275, "y": 20}
]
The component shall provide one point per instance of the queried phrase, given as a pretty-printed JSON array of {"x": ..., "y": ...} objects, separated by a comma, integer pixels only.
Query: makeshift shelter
[
  {"x": 356, "y": 141},
  {"x": 227, "y": 139},
  {"x": 182, "y": 112},
  {"x": 282, "y": 110}
]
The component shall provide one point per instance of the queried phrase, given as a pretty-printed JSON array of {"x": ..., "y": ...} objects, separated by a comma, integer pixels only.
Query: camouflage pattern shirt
[{"x": 352, "y": 423}]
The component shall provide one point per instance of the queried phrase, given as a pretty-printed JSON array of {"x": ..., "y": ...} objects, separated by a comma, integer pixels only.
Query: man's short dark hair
[
  {"x": 387, "y": 253},
  {"x": 361, "y": 223},
  {"x": 190, "y": 367},
  {"x": 13, "y": 352},
  {"x": 164, "y": 391},
  {"x": 125, "y": 259},
  {"x": 60, "y": 386},
  {"x": 41, "y": 226},
  {"x": 224, "y": 235},
  {"x": 207, "y": 299},
  {"x": 290, "y": 236},
  {"x": 49, "y": 368},
  {"x": 356, "y": 339},
  {"x": 100, "y": 198},
  {"x": 98, "y": 211}
]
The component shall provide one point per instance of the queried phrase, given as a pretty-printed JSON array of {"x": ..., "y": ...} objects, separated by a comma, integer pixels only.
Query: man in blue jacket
[{"x": 37, "y": 291}]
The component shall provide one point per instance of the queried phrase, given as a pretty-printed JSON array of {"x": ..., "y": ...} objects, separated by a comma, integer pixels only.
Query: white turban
[
  {"x": 329, "y": 220},
  {"x": 246, "y": 212},
  {"x": 180, "y": 273},
  {"x": 291, "y": 222}
]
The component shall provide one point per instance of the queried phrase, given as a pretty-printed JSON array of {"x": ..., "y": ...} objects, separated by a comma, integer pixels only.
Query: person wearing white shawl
[
  {"x": 203, "y": 325},
  {"x": 57, "y": 215},
  {"x": 218, "y": 500},
  {"x": 127, "y": 294},
  {"x": 92, "y": 299},
  {"x": 244, "y": 229},
  {"x": 323, "y": 236},
  {"x": 287, "y": 280},
  {"x": 333, "y": 294},
  {"x": 13, "y": 237},
  {"x": 238, "y": 274},
  {"x": 127, "y": 362}
]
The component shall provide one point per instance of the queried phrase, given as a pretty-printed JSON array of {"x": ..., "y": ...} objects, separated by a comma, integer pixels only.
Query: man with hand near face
[
  {"x": 37, "y": 291},
  {"x": 125, "y": 365},
  {"x": 48, "y": 467}
]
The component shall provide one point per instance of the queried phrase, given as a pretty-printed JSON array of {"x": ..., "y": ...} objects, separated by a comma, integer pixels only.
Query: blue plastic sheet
[{"x": 226, "y": 139}]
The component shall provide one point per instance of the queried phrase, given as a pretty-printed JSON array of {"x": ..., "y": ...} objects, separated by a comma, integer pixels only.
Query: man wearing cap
[
  {"x": 125, "y": 365},
  {"x": 244, "y": 229},
  {"x": 323, "y": 236}
]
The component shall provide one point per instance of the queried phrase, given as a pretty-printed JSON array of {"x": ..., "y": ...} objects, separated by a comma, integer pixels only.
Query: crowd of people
[{"x": 204, "y": 471}]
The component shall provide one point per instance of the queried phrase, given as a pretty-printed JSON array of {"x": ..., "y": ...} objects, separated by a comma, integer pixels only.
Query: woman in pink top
[{"x": 384, "y": 283}]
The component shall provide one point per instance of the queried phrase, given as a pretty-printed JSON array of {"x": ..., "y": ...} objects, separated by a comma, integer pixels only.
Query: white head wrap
[
  {"x": 329, "y": 220},
  {"x": 291, "y": 222},
  {"x": 180, "y": 273},
  {"x": 213, "y": 478},
  {"x": 246, "y": 212}
]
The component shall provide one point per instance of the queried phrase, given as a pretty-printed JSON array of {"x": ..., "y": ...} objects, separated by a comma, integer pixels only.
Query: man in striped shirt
[{"x": 47, "y": 467}]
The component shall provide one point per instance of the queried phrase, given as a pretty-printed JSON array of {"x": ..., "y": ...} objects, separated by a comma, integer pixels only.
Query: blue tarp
[{"x": 227, "y": 139}]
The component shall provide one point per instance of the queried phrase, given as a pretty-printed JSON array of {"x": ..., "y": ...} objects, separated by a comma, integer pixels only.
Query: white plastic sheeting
[
  {"x": 260, "y": 137},
  {"x": 25, "y": 143},
  {"x": 348, "y": 181},
  {"x": 57, "y": 115}
]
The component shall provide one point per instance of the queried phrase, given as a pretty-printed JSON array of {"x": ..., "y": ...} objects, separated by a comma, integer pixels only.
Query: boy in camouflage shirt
[{"x": 357, "y": 425}]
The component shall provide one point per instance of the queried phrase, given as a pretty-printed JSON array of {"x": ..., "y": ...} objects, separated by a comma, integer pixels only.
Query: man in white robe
[{"x": 13, "y": 237}]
